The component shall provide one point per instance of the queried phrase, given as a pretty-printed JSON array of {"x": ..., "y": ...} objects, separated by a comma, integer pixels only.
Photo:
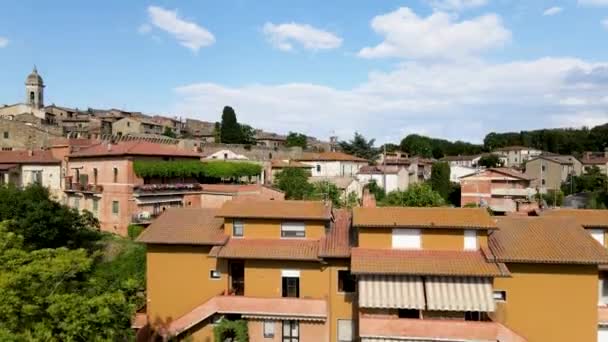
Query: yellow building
[{"x": 302, "y": 271}]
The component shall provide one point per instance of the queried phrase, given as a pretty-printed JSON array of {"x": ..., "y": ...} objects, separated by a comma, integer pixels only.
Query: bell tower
[{"x": 34, "y": 90}]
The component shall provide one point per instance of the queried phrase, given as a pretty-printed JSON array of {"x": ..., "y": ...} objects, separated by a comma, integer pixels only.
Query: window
[
  {"x": 470, "y": 240},
  {"x": 318, "y": 168},
  {"x": 346, "y": 281},
  {"x": 543, "y": 181},
  {"x": 408, "y": 313},
  {"x": 291, "y": 331},
  {"x": 214, "y": 274},
  {"x": 237, "y": 228},
  {"x": 115, "y": 207},
  {"x": 268, "y": 329},
  {"x": 598, "y": 235},
  {"x": 225, "y": 155},
  {"x": 500, "y": 295},
  {"x": 95, "y": 205},
  {"x": 345, "y": 330},
  {"x": 6, "y": 135},
  {"x": 291, "y": 283},
  {"x": 37, "y": 177},
  {"x": 128, "y": 124},
  {"x": 293, "y": 230},
  {"x": 543, "y": 168},
  {"x": 406, "y": 238}
]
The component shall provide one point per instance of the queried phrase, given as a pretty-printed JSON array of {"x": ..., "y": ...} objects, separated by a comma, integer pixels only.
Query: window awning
[
  {"x": 158, "y": 199},
  {"x": 391, "y": 291},
  {"x": 459, "y": 294}
]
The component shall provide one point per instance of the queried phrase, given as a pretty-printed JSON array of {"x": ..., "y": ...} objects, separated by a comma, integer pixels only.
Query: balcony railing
[
  {"x": 80, "y": 187},
  {"x": 164, "y": 188}
]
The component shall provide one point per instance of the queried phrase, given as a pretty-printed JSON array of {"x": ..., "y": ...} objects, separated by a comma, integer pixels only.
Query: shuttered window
[
  {"x": 470, "y": 240},
  {"x": 406, "y": 238}
]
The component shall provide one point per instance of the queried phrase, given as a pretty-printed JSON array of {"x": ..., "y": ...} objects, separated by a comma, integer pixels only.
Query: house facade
[
  {"x": 466, "y": 161},
  {"x": 332, "y": 164},
  {"x": 135, "y": 125},
  {"x": 22, "y": 168},
  {"x": 550, "y": 171},
  {"x": 515, "y": 156},
  {"x": 596, "y": 159},
  {"x": 301, "y": 271},
  {"x": 501, "y": 189},
  {"x": 390, "y": 178}
]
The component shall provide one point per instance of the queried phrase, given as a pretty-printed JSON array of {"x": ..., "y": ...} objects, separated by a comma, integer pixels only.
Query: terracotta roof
[
  {"x": 588, "y": 218},
  {"x": 337, "y": 242},
  {"x": 134, "y": 148},
  {"x": 595, "y": 161},
  {"x": 329, "y": 156},
  {"x": 270, "y": 249},
  {"x": 423, "y": 262},
  {"x": 191, "y": 226},
  {"x": 465, "y": 218},
  {"x": 280, "y": 164},
  {"x": 292, "y": 210},
  {"x": 460, "y": 158},
  {"x": 377, "y": 170},
  {"x": 551, "y": 240},
  {"x": 71, "y": 142},
  {"x": 286, "y": 308},
  {"x": 560, "y": 159},
  {"x": 235, "y": 188},
  {"x": 435, "y": 330},
  {"x": 505, "y": 171},
  {"x": 28, "y": 157}
]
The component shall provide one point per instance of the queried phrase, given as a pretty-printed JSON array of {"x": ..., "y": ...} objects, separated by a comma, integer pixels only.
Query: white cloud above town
[
  {"x": 3, "y": 42},
  {"x": 285, "y": 36},
  {"x": 188, "y": 33},
  {"x": 438, "y": 36},
  {"x": 597, "y": 3},
  {"x": 455, "y": 5},
  {"x": 552, "y": 11}
]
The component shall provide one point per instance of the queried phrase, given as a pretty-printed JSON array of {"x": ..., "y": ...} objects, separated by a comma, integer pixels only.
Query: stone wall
[{"x": 21, "y": 136}]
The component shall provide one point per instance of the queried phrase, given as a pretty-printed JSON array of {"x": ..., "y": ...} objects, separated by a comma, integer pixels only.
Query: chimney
[{"x": 368, "y": 200}]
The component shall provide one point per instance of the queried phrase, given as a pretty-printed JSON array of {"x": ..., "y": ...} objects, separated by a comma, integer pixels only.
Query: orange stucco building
[{"x": 302, "y": 271}]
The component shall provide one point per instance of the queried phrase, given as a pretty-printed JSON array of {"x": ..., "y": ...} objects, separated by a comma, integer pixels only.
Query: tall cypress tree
[
  {"x": 440, "y": 179},
  {"x": 230, "y": 128}
]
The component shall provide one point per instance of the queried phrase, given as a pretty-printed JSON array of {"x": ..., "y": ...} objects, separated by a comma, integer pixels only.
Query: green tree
[
  {"x": 230, "y": 130},
  {"x": 247, "y": 135},
  {"x": 294, "y": 182},
  {"x": 417, "y": 195},
  {"x": 217, "y": 132},
  {"x": 326, "y": 191},
  {"x": 591, "y": 181},
  {"x": 360, "y": 147},
  {"x": 440, "y": 179},
  {"x": 296, "y": 140},
  {"x": 169, "y": 133},
  {"x": 489, "y": 160},
  {"x": 554, "y": 198},
  {"x": 455, "y": 194},
  {"x": 376, "y": 190},
  {"x": 417, "y": 145}
]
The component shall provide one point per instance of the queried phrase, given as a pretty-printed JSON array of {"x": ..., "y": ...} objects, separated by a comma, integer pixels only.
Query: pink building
[{"x": 503, "y": 190}]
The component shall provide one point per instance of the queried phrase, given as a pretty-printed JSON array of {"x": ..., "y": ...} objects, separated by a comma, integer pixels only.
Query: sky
[{"x": 454, "y": 69}]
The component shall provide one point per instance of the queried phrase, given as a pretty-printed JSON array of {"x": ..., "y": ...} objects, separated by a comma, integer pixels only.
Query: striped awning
[
  {"x": 391, "y": 291},
  {"x": 459, "y": 294},
  {"x": 158, "y": 199}
]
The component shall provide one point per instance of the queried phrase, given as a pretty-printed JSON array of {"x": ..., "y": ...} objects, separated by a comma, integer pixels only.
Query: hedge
[{"x": 195, "y": 168}]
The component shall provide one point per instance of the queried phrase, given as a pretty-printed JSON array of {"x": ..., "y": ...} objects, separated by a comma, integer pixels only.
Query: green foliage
[
  {"x": 217, "y": 133},
  {"x": 553, "y": 198},
  {"x": 490, "y": 160},
  {"x": 598, "y": 200},
  {"x": 231, "y": 330},
  {"x": 417, "y": 195},
  {"x": 296, "y": 140},
  {"x": 350, "y": 201},
  {"x": 44, "y": 223},
  {"x": 471, "y": 205},
  {"x": 195, "y": 169},
  {"x": 440, "y": 179},
  {"x": 590, "y": 181},
  {"x": 247, "y": 135},
  {"x": 422, "y": 146},
  {"x": 325, "y": 191},
  {"x": 376, "y": 190},
  {"x": 133, "y": 231},
  {"x": 169, "y": 133},
  {"x": 294, "y": 182},
  {"x": 230, "y": 130},
  {"x": 360, "y": 147},
  {"x": 561, "y": 140}
]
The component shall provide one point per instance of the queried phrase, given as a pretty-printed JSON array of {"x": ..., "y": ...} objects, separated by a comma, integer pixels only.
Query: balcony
[{"x": 82, "y": 187}]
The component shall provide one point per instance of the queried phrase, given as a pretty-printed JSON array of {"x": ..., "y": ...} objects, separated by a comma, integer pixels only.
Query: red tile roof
[
  {"x": 549, "y": 240},
  {"x": 28, "y": 157},
  {"x": 235, "y": 188},
  {"x": 191, "y": 226},
  {"x": 377, "y": 170},
  {"x": 272, "y": 209},
  {"x": 464, "y": 218},
  {"x": 503, "y": 170},
  {"x": 330, "y": 156},
  {"x": 286, "y": 308},
  {"x": 268, "y": 249},
  {"x": 134, "y": 148},
  {"x": 435, "y": 330},
  {"x": 588, "y": 218},
  {"x": 423, "y": 262},
  {"x": 337, "y": 242}
]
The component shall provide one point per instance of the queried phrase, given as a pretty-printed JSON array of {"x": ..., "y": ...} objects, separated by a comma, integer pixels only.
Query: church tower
[{"x": 34, "y": 90}]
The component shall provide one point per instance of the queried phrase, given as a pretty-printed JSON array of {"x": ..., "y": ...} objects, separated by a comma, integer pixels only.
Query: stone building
[{"x": 18, "y": 135}]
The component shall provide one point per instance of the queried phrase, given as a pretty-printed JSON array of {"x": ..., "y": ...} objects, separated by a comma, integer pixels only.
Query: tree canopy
[
  {"x": 230, "y": 130},
  {"x": 294, "y": 182},
  {"x": 194, "y": 168},
  {"x": 417, "y": 195},
  {"x": 169, "y": 133},
  {"x": 360, "y": 147},
  {"x": 422, "y": 146},
  {"x": 296, "y": 140},
  {"x": 489, "y": 160}
]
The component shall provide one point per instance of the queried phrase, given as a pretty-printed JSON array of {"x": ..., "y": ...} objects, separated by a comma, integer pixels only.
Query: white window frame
[
  {"x": 291, "y": 226},
  {"x": 341, "y": 337},
  {"x": 406, "y": 238},
  {"x": 499, "y": 295},
  {"x": 598, "y": 235},
  {"x": 268, "y": 329},
  {"x": 241, "y": 224},
  {"x": 470, "y": 240},
  {"x": 215, "y": 274},
  {"x": 290, "y": 273}
]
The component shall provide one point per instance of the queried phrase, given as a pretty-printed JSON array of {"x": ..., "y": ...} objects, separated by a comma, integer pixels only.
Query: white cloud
[
  {"x": 604, "y": 23},
  {"x": 455, "y": 100},
  {"x": 3, "y": 42},
  {"x": 144, "y": 28},
  {"x": 189, "y": 34},
  {"x": 437, "y": 36},
  {"x": 552, "y": 11},
  {"x": 455, "y": 5},
  {"x": 597, "y": 3},
  {"x": 284, "y": 36}
]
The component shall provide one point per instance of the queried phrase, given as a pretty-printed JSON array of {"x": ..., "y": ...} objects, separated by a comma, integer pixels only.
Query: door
[{"x": 237, "y": 278}]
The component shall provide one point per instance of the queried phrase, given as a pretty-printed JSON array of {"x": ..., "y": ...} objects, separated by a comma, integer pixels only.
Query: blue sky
[{"x": 449, "y": 68}]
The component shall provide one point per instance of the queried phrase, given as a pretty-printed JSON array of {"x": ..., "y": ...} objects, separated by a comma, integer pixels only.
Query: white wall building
[
  {"x": 387, "y": 177},
  {"x": 517, "y": 155},
  {"x": 458, "y": 171},
  {"x": 333, "y": 164},
  {"x": 23, "y": 168}
]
